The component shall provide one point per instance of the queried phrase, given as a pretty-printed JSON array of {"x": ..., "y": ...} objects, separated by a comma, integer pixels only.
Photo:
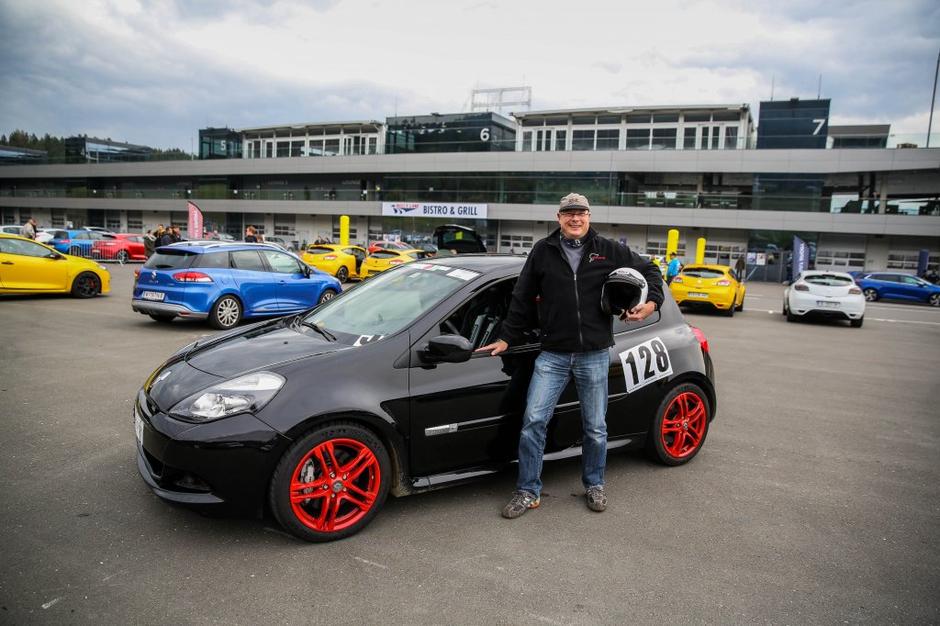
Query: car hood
[{"x": 257, "y": 348}]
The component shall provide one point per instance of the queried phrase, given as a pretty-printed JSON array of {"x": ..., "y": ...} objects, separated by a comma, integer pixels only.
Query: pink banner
[{"x": 195, "y": 221}]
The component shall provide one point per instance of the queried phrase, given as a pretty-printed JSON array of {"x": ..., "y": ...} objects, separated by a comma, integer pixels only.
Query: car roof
[
  {"x": 825, "y": 272},
  {"x": 707, "y": 266},
  {"x": 479, "y": 262},
  {"x": 209, "y": 245}
]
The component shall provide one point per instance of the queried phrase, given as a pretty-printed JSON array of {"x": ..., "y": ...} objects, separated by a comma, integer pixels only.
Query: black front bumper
[{"x": 228, "y": 461}]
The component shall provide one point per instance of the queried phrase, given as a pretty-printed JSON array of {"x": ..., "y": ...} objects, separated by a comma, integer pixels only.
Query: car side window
[
  {"x": 621, "y": 326},
  {"x": 480, "y": 318},
  {"x": 910, "y": 280},
  {"x": 23, "y": 248},
  {"x": 248, "y": 260},
  {"x": 216, "y": 260},
  {"x": 282, "y": 263}
]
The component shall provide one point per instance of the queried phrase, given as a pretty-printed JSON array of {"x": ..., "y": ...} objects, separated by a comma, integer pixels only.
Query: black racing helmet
[{"x": 624, "y": 289}]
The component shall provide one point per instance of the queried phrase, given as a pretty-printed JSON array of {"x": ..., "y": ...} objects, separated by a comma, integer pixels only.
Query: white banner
[{"x": 434, "y": 209}]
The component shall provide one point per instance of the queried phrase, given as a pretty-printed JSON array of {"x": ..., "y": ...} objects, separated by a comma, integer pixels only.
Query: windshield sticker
[
  {"x": 364, "y": 339},
  {"x": 431, "y": 267},
  {"x": 463, "y": 274}
]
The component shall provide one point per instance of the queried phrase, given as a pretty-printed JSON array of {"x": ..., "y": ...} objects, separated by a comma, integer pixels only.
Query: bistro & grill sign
[{"x": 434, "y": 209}]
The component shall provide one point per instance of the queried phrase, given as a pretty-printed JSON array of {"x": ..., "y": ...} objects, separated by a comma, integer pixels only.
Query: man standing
[
  {"x": 673, "y": 268},
  {"x": 565, "y": 271},
  {"x": 740, "y": 268},
  {"x": 29, "y": 228}
]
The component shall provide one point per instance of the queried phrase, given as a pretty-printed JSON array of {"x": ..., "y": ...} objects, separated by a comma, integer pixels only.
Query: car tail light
[
  {"x": 677, "y": 279},
  {"x": 855, "y": 291},
  {"x": 723, "y": 283},
  {"x": 192, "y": 277},
  {"x": 801, "y": 287},
  {"x": 703, "y": 342},
  {"x": 65, "y": 241},
  {"x": 329, "y": 257}
]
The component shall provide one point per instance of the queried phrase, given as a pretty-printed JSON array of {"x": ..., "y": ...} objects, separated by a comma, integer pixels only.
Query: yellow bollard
[
  {"x": 700, "y": 250},
  {"x": 344, "y": 230},
  {"x": 672, "y": 243}
]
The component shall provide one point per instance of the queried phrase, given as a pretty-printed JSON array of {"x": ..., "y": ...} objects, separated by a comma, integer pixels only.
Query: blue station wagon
[
  {"x": 898, "y": 286},
  {"x": 226, "y": 282}
]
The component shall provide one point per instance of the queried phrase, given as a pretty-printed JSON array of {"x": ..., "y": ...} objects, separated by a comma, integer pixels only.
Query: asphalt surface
[{"x": 814, "y": 500}]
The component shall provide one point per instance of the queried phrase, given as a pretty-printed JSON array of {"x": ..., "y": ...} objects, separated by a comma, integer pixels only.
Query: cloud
[{"x": 155, "y": 71}]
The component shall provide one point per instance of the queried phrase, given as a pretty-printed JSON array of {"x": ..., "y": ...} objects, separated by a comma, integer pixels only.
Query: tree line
[{"x": 55, "y": 146}]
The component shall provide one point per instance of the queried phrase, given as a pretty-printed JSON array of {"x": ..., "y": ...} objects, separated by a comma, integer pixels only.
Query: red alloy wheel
[
  {"x": 683, "y": 425},
  {"x": 335, "y": 485}
]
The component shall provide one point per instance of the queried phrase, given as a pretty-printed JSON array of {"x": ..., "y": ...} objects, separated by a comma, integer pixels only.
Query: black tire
[
  {"x": 730, "y": 311},
  {"x": 741, "y": 306},
  {"x": 162, "y": 317},
  {"x": 226, "y": 313},
  {"x": 342, "y": 274},
  {"x": 791, "y": 317},
  {"x": 355, "y": 496},
  {"x": 687, "y": 410},
  {"x": 871, "y": 294},
  {"x": 934, "y": 299},
  {"x": 857, "y": 323},
  {"x": 122, "y": 257},
  {"x": 86, "y": 285},
  {"x": 328, "y": 294}
]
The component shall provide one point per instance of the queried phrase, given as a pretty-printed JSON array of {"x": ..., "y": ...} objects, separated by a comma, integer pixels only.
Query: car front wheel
[
  {"x": 331, "y": 483},
  {"x": 342, "y": 274},
  {"x": 226, "y": 313},
  {"x": 328, "y": 294},
  {"x": 680, "y": 426},
  {"x": 871, "y": 294},
  {"x": 86, "y": 285}
]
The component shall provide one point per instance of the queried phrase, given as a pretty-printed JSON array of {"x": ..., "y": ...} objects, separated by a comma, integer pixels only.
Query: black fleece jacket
[{"x": 569, "y": 311}]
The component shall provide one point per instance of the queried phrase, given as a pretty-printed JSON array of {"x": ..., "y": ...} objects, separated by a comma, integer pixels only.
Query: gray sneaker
[
  {"x": 596, "y": 498},
  {"x": 521, "y": 502}
]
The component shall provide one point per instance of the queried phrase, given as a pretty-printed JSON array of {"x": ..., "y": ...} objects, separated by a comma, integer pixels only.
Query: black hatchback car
[{"x": 320, "y": 415}]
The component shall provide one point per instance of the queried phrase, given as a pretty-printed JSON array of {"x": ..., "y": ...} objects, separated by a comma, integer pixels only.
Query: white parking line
[{"x": 880, "y": 319}]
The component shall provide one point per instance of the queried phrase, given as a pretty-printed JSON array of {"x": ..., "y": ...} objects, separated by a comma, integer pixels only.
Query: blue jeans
[{"x": 552, "y": 372}]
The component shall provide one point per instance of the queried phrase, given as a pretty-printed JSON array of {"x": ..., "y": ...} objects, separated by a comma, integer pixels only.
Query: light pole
[{"x": 933, "y": 97}]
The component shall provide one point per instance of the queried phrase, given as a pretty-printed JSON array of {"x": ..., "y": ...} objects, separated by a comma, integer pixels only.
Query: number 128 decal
[{"x": 645, "y": 363}]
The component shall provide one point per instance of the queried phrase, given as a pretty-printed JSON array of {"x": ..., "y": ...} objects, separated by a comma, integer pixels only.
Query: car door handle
[{"x": 8, "y": 263}]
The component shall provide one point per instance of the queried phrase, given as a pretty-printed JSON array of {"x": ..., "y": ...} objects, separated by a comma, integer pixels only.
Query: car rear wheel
[
  {"x": 730, "y": 311},
  {"x": 871, "y": 294},
  {"x": 86, "y": 285},
  {"x": 328, "y": 294},
  {"x": 934, "y": 299},
  {"x": 741, "y": 306},
  {"x": 226, "y": 313},
  {"x": 122, "y": 257},
  {"x": 786, "y": 311},
  {"x": 680, "y": 426},
  {"x": 857, "y": 323},
  {"x": 331, "y": 483},
  {"x": 342, "y": 274}
]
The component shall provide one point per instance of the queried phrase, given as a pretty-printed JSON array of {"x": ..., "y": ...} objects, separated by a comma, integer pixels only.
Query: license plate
[
  {"x": 138, "y": 428},
  {"x": 697, "y": 294},
  {"x": 826, "y": 303},
  {"x": 153, "y": 295}
]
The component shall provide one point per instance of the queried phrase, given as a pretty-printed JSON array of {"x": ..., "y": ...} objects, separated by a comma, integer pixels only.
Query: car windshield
[
  {"x": 703, "y": 272},
  {"x": 389, "y": 302},
  {"x": 828, "y": 280},
  {"x": 169, "y": 259}
]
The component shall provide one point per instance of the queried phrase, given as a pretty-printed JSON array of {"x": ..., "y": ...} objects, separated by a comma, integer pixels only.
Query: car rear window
[
  {"x": 385, "y": 254},
  {"x": 702, "y": 272},
  {"x": 829, "y": 280},
  {"x": 319, "y": 250},
  {"x": 170, "y": 259}
]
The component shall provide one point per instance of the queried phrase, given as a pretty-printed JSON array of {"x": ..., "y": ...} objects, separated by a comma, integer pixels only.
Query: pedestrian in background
[
  {"x": 251, "y": 235},
  {"x": 740, "y": 268},
  {"x": 675, "y": 266},
  {"x": 567, "y": 270},
  {"x": 29, "y": 228},
  {"x": 150, "y": 243}
]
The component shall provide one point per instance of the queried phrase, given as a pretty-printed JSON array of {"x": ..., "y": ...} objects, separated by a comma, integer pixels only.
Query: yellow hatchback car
[
  {"x": 381, "y": 260},
  {"x": 340, "y": 261},
  {"x": 714, "y": 286},
  {"x": 28, "y": 267}
]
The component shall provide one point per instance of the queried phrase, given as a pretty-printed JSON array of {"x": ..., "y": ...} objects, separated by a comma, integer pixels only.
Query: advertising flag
[
  {"x": 194, "y": 226},
  {"x": 800, "y": 256}
]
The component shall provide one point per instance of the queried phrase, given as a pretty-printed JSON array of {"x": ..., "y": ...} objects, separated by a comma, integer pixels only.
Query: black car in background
[
  {"x": 320, "y": 415},
  {"x": 457, "y": 239}
]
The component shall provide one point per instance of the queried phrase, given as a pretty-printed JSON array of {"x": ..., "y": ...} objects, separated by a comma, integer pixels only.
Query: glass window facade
[{"x": 458, "y": 132}]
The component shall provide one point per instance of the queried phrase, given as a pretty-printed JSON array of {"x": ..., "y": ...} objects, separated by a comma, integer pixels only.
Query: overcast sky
[{"x": 155, "y": 71}]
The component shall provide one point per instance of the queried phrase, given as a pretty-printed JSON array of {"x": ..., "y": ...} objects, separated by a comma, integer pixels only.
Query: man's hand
[
  {"x": 639, "y": 312},
  {"x": 494, "y": 348}
]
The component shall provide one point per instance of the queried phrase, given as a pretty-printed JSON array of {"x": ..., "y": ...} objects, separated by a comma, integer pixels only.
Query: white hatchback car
[{"x": 824, "y": 294}]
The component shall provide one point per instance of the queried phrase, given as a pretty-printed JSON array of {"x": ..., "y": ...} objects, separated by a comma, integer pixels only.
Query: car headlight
[{"x": 250, "y": 392}]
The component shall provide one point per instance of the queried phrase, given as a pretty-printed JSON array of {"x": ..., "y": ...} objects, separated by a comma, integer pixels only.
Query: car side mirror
[
  {"x": 307, "y": 271},
  {"x": 449, "y": 349}
]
